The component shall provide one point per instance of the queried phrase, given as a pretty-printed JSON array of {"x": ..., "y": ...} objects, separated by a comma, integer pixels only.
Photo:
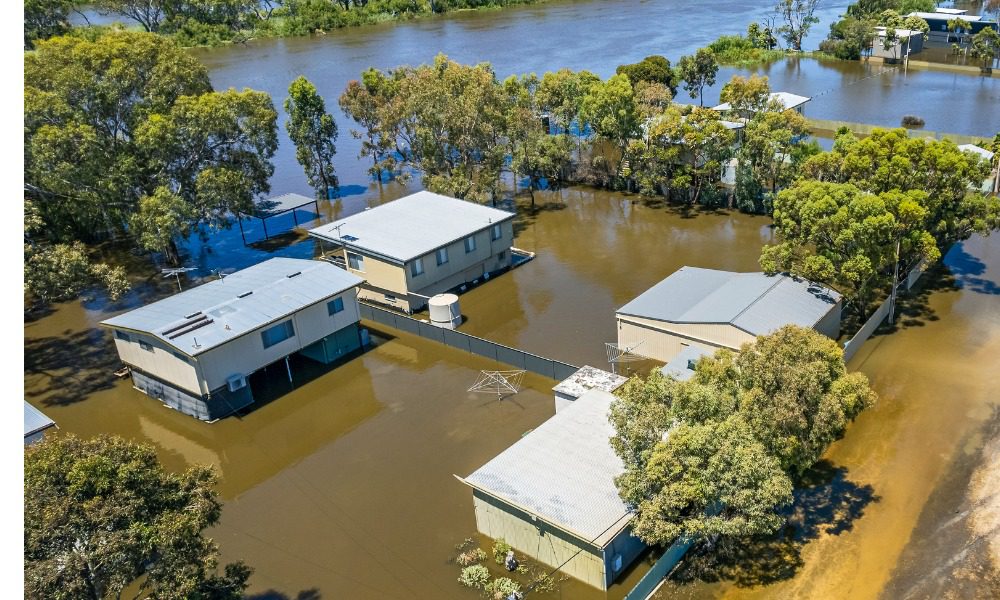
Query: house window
[
  {"x": 146, "y": 346},
  {"x": 442, "y": 256},
  {"x": 417, "y": 267},
  {"x": 355, "y": 261},
  {"x": 496, "y": 233},
  {"x": 180, "y": 356},
  {"x": 335, "y": 306},
  {"x": 390, "y": 298},
  {"x": 470, "y": 244},
  {"x": 502, "y": 255},
  {"x": 122, "y": 336},
  {"x": 278, "y": 333}
]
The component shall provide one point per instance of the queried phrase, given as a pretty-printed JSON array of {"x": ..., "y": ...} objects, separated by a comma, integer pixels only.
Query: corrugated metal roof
[
  {"x": 754, "y": 302},
  {"x": 240, "y": 303},
  {"x": 679, "y": 366},
  {"x": 942, "y": 16},
  {"x": 278, "y": 204},
  {"x": 412, "y": 226},
  {"x": 787, "y": 99},
  {"x": 589, "y": 378},
  {"x": 563, "y": 472},
  {"x": 35, "y": 420},
  {"x": 976, "y": 150}
]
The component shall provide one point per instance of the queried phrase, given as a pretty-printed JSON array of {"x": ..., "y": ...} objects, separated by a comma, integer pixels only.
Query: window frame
[
  {"x": 443, "y": 251},
  {"x": 332, "y": 306},
  {"x": 470, "y": 244},
  {"x": 360, "y": 260},
  {"x": 496, "y": 232},
  {"x": 289, "y": 330},
  {"x": 146, "y": 346},
  {"x": 414, "y": 272}
]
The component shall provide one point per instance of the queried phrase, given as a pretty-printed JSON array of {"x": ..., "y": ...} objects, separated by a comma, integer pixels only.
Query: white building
[
  {"x": 195, "y": 350},
  {"x": 35, "y": 424},
  {"x": 552, "y": 495},
  {"x": 711, "y": 309}
]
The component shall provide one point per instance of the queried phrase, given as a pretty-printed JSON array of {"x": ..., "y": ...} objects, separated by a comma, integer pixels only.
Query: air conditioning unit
[{"x": 236, "y": 382}]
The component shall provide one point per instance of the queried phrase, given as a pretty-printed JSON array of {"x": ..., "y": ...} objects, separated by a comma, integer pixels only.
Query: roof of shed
[
  {"x": 589, "y": 378},
  {"x": 412, "y": 226},
  {"x": 275, "y": 205},
  {"x": 754, "y": 302},
  {"x": 563, "y": 472},
  {"x": 244, "y": 301},
  {"x": 35, "y": 420},
  {"x": 679, "y": 366},
  {"x": 787, "y": 100}
]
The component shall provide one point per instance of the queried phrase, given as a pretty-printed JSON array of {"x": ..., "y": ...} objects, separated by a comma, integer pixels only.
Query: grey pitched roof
[
  {"x": 788, "y": 100},
  {"x": 412, "y": 226},
  {"x": 563, "y": 472},
  {"x": 35, "y": 420},
  {"x": 680, "y": 366},
  {"x": 589, "y": 378},
  {"x": 240, "y": 303},
  {"x": 754, "y": 302}
]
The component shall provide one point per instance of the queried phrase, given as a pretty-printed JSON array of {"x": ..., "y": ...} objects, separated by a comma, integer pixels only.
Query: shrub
[
  {"x": 912, "y": 121},
  {"x": 502, "y": 588},
  {"x": 500, "y": 550},
  {"x": 475, "y": 576},
  {"x": 471, "y": 557}
]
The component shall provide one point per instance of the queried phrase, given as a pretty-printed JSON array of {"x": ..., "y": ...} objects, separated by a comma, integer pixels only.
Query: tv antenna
[{"x": 176, "y": 273}]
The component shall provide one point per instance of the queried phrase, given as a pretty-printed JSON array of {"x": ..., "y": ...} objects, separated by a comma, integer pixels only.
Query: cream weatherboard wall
[
  {"x": 247, "y": 353},
  {"x": 153, "y": 356},
  {"x": 662, "y": 341}
]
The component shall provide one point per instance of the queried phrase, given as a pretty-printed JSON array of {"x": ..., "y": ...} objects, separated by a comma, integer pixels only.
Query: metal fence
[
  {"x": 649, "y": 582},
  {"x": 518, "y": 359},
  {"x": 854, "y": 344}
]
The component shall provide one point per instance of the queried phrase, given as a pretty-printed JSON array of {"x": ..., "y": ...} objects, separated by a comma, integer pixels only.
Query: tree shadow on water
[
  {"x": 75, "y": 364},
  {"x": 312, "y": 594},
  {"x": 825, "y": 502}
]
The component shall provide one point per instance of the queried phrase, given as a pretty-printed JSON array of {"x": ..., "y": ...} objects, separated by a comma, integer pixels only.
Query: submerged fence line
[
  {"x": 852, "y": 346},
  {"x": 866, "y": 129},
  {"x": 548, "y": 367}
]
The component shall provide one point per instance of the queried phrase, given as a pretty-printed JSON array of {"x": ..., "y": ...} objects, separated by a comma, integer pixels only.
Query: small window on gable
[
  {"x": 122, "y": 336},
  {"x": 145, "y": 346},
  {"x": 335, "y": 306}
]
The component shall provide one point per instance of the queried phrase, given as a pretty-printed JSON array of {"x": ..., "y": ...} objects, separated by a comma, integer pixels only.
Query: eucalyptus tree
[
  {"x": 798, "y": 17},
  {"x": 313, "y": 131},
  {"x": 698, "y": 72}
]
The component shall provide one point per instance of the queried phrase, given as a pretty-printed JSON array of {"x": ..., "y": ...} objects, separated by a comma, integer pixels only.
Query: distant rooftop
[
  {"x": 754, "y": 302},
  {"x": 977, "y": 150},
  {"x": 218, "y": 311},
  {"x": 787, "y": 100},
  {"x": 902, "y": 33},
  {"x": 951, "y": 11},
  {"x": 681, "y": 367},
  {"x": 35, "y": 420},
  {"x": 589, "y": 378},
  {"x": 944, "y": 16},
  {"x": 563, "y": 472},
  {"x": 412, "y": 226}
]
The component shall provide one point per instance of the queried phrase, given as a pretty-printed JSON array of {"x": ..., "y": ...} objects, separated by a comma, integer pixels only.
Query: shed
[
  {"x": 713, "y": 309},
  {"x": 35, "y": 423},
  {"x": 418, "y": 246},
  {"x": 274, "y": 207},
  {"x": 552, "y": 495},
  {"x": 907, "y": 43},
  {"x": 585, "y": 379},
  {"x": 195, "y": 350}
]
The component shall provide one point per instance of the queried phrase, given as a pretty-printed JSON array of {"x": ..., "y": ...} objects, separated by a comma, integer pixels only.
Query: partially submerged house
[
  {"x": 585, "y": 379},
  {"x": 900, "y": 44},
  {"x": 712, "y": 309},
  {"x": 195, "y": 350},
  {"x": 781, "y": 100},
  {"x": 939, "y": 19},
  {"x": 35, "y": 424},
  {"x": 552, "y": 495},
  {"x": 992, "y": 182},
  {"x": 423, "y": 244}
]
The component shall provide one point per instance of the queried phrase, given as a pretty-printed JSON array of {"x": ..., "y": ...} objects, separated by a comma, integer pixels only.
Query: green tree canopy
[
  {"x": 771, "y": 154},
  {"x": 746, "y": 96},
  {"x": 798, "y": 17},
  {"x": 654, "y": 68},
  {"x": 44, "y": 19},
  {"x": 697, "y": 72},
  {"x": 313, "y": 131},
  {"x": 102, "y": 514}
]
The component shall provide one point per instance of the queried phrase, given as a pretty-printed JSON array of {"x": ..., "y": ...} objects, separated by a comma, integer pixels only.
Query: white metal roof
[
  {"x": 680, "y": 366},
  {"x": 943, "y": 16},
  {"x": 589, "y": 378},
  {"x": 563, "y": 472},
  {"x": 977, "y": 150},
  {"x": 951, "y": 11},
  {"x": 787, "y": 100},
  {"x": 902, "y": 33},
  {"x": 35, "y": 420},
  {"x": 224, "y": 309},
  {"x": 279, "y": 204},
  {"x": 754, "y": 302},
  {"x": 412, "y": 226}
]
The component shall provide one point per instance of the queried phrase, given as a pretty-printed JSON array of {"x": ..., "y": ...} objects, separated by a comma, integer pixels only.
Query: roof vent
[
  {"x": 349, "y": 238},
  {"x": 192, "y": 315},
  {"x": 295, "y": 274},
  {"x": 244, "y": 294}
]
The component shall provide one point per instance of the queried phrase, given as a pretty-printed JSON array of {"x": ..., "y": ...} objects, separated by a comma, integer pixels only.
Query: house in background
[
  {"x": 423, "y": 244},
  {"x": 711, "y": 309},
  {"x": 552, "y": 495},
  {"x": 35, "y": 424},
  {"x": 939, "y": 19},
  {"x": 905, "y": 43},
  {"x": 195, "y": 350},
  {"x": 781, "y": 100},
  {"x": 992, "y": 183}
]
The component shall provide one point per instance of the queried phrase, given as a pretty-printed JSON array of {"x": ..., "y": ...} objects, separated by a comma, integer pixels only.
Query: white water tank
[{"x": 444, "y": 311}]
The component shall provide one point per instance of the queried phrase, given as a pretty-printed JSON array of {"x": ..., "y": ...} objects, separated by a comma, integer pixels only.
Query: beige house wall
[
  {"x": 542, "y": 542},
  {"x": 663, "y": 341},
  {"x": 243, "y": 355}
]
